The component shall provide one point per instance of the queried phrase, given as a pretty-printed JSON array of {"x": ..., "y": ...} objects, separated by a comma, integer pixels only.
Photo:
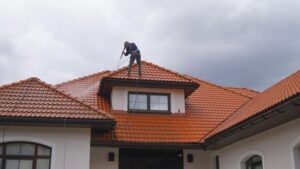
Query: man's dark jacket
[{"x": 130, "y": 48}]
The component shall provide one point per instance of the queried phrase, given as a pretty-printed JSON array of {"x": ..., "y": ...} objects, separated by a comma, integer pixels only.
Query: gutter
[
  {"x": 148, "y": 145},
  {"x": 102, "y": 124}
]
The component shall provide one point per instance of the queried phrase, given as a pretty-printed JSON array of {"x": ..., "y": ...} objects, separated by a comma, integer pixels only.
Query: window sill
[{"x": 149, "y": 112}]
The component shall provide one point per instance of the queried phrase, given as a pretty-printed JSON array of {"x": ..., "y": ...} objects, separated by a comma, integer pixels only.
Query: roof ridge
[
  {"x": 155, "y": 65},
  {"x": 70, "y": 97},
  {"x": 118, "y": 70},
  {"x": 169, "y": 70},
  {"x": 219, "y": 86},
  {"x": 252, "y": 90},
  {"x": 81, "y": 78},
  {"x": 17, "y": 82}
]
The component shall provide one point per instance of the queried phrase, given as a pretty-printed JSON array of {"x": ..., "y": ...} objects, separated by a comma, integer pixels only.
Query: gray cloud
[{"x": 248, "y": 43}]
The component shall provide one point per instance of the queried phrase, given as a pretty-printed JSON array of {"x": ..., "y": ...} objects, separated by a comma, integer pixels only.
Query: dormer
[{"x": 157, "y": 90}]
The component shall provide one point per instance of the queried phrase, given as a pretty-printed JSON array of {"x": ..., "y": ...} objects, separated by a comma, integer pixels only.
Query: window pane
[
  {"x": 25, "y": 164},
  {"x": 13, "y": 149},
  {"x": 159, "y": 102},
  {"x": 12, "y": 164},
  {"x": 18, "y": 164},
  {"x": 42, "y": 164},
  {"x": 44, "y": 151},
  {"x": 255, "y": 162},
  {"x": 138, "y": 101},
  {"x": 27, "y": 149}
]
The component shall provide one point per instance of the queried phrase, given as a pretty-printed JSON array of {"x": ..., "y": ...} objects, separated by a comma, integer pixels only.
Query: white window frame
[{"x": 148, "y": 95}]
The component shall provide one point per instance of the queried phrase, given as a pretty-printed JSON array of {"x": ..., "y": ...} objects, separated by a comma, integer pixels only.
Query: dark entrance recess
[{"x": 150, "y": 159}]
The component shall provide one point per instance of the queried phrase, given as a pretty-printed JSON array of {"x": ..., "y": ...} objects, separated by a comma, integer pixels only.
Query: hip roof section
[
  {"x": 36, "y": 99},
  {"x": 276, "y": 94}
]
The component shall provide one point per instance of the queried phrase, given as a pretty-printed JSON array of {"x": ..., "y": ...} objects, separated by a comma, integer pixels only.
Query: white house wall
[
  {"x": 201, "y": 159},
  {"x": 70, "y": 146},
  {"x": 119, "y": 97},
  {"x": 99, "y": 158},
  {"x": 274, "y": 145}
]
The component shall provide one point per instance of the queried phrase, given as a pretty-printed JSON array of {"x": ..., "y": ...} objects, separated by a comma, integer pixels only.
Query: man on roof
[{"x": 135, "y": 54}]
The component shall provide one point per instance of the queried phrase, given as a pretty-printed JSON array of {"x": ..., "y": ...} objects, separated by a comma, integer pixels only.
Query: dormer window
[
  {"x": 138, "y": 101},
  {"x": 149, "y": 102}
]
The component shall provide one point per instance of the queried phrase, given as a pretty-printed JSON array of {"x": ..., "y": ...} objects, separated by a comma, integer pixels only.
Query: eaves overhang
[
  {"x": 99, "y": 124},
  {"x": 283, "y": 112},
  {"x": 107, "y": 83}
]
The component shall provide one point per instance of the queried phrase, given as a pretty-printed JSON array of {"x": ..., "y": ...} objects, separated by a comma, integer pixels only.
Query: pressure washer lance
[{"x": 121, "y": 57}]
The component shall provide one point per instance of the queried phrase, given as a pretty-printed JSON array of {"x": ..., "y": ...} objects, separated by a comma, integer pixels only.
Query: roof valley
[{"x": 208, "y": 134}]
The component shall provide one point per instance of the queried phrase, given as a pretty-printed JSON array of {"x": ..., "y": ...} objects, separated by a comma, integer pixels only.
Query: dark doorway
[{"x": 150, "y": 159}]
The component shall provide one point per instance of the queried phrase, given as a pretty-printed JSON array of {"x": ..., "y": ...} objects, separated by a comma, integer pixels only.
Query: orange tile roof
[
  {"x": 206, "y": 108},
  {"x": 34, "y": 98},
  {"x": 244, "y": 91},
  {"x": 150, "y": 72},
  {"x": 274, "y": 95},
  {"x": 150, "y": 128}
]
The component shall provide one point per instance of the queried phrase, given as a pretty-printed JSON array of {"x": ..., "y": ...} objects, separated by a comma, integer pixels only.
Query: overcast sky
[{"x": 246, "y": 43}]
